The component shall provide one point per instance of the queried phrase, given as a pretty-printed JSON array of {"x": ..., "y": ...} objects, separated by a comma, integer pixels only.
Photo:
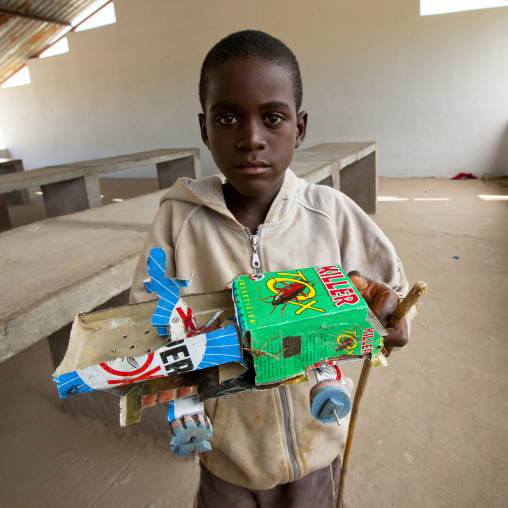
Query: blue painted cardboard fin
[{"x": 166, "y": 288}]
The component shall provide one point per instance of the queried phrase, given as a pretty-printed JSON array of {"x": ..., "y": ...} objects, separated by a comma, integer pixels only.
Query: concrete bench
[
  {"x": 348, "y": 167},
  {"x": 15, "y": 197},
  {"x": 75, "y": 187},
  {"x": 55, "y": 268}
]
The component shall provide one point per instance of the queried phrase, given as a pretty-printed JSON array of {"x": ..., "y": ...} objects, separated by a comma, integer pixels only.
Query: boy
[{"x": 268, "y": 450}]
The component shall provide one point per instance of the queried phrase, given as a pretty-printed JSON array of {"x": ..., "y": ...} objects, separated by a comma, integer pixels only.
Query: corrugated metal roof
[{"x": 22, "y": 38}]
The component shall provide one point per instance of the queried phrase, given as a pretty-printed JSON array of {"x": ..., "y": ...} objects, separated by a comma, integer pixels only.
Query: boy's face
[{"x": 251, "y": 125}]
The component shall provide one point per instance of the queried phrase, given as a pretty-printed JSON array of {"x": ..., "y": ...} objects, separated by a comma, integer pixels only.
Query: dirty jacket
[{"x": 265, "y": 438}]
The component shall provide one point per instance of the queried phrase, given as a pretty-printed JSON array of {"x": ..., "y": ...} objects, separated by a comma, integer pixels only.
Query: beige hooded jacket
[{"x": 265, "y": 438}]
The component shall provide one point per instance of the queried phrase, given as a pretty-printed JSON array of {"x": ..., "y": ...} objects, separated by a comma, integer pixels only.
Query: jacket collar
[{"x": 208, "y": 192}]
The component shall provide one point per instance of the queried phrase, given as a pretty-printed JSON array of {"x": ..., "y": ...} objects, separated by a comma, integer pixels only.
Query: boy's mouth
[{"x": 252, "y": 168}]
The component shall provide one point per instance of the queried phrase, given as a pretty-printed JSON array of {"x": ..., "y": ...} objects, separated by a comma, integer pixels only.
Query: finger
[
  {"x": 366, "y": 287},
  {"x": 381, "y": 299},
  {"x": 397, "y": 336},
  {"x": 385, "y": 302},
  {"x": 358, "y": 280},
  {"x": 387, "y": 351}
]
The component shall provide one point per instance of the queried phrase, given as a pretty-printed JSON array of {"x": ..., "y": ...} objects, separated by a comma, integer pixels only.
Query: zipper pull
[
  {"x": 256, "y": 263},
  {"x": 254, "y": 240}
]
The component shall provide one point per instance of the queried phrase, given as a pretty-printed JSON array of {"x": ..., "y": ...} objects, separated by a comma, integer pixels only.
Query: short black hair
[{"x": 251, "y": 44}]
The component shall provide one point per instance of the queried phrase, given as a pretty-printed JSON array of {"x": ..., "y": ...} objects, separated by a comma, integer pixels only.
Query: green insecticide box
[{"x": 290, "y": 320}]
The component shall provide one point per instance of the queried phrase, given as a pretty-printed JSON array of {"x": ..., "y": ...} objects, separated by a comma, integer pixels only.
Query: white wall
[{"x": 432, "y": 91}]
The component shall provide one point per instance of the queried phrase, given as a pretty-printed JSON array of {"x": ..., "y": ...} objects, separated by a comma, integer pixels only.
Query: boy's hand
[{"x": 382, "y": 300}]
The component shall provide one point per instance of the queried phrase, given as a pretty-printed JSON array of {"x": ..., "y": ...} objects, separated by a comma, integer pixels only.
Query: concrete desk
[
  {"x": 75, "y": 187},
  {"x": 348, "y": 167}
]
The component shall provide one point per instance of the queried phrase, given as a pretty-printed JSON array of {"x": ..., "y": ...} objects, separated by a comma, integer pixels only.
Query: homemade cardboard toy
[{"x": 268, "y": 331}]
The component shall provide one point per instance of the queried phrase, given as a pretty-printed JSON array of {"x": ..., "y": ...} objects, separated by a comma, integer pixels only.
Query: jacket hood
[{"x": 208, "y": 192}]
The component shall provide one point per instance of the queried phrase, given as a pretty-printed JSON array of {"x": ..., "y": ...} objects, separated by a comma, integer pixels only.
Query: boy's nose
[{"x": 251, "y": 137}]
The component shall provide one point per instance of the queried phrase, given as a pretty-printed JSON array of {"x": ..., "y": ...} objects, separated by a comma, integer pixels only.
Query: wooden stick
[
  {"x": 400, "y": 311},
  {"x": 405, "y": 305},
  {"x": 362, "y": 383}
]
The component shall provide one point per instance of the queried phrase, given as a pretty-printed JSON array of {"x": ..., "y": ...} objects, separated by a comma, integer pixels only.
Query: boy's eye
[
  {"x": 273, "y": 120},
  {"x": 227, "y": 120}
]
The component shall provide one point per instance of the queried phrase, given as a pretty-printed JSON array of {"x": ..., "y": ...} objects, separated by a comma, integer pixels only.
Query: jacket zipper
[
  {"x": 256, "y": 263},
  {"x": 289, "y": 439}
]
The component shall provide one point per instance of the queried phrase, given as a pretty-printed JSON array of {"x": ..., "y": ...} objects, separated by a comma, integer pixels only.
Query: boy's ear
[
  {"x": 202, "y": 128},
  {"x": 301, "y": 128}
]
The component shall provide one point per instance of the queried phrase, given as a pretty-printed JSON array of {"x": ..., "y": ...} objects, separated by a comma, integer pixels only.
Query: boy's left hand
[{"x": 382, "y": 300}]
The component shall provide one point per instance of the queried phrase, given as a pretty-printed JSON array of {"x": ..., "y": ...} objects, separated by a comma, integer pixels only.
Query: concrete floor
[{"x": 432, "y": 429}]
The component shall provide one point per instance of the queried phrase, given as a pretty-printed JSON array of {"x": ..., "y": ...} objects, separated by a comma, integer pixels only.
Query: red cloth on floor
[{"x": 464, "y": 176}]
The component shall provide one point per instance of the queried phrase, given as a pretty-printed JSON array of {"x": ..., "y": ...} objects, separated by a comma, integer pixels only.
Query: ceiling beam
[{"x": 33, "y": 16}]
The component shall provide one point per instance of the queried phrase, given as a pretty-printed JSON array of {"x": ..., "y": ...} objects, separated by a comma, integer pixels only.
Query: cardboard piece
[
  {"x": 99, "y": 355},
  {"x": 290, "y": 320},
  {"x": 176, "y": 357},
  {"x": 168, "y": 291}
]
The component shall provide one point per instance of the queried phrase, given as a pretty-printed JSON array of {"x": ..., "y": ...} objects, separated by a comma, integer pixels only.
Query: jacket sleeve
[
  {"x": 160, "y": 235},
  {"x": 364, "y": 247}
]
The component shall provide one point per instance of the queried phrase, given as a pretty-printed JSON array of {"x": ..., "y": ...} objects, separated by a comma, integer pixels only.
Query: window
[
  {"x": 105, "y": 16},
  {"x": 22, "y": 77},
  {"x": 428, "y": 7},
  {"x": 59, "y": 47}
]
